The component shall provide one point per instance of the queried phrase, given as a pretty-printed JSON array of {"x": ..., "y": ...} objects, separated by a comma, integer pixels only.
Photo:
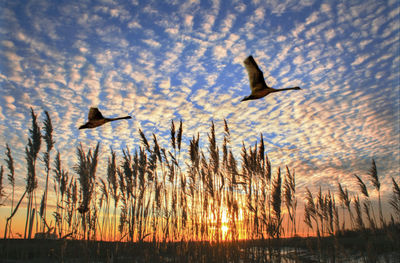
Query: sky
[{"x": 170, "y": 60}]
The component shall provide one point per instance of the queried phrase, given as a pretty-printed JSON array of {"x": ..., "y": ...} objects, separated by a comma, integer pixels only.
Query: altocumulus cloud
[{"x": 183, "y": 60}]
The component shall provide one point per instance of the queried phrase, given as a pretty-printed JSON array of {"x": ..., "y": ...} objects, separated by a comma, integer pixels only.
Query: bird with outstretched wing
[
  {"x": 258, "y": 86},
  {"x": 96, "y": 119}
]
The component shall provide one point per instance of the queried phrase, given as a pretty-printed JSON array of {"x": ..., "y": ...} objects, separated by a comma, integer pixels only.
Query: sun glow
[{"x": 224, "y": 230}]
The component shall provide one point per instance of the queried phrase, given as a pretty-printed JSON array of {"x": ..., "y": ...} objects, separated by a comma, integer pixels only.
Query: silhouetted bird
[
  {"x": 258, "y": 86},
  {"x": 96, "y": 119}
]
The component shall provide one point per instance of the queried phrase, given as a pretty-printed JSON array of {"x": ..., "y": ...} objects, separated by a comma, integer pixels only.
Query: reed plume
[
  {"x": 310, "y": 211},
  {"x": 395, "y": 199},
  {"x": 373, "y": 173},
  {"x": 346, "y": 201},
  {"x": 11, "y": 179},
  {"x": 367, "y": 204},
  {"x": 86, "y": 170},
  {"x": 179, "y": 135},
  {"x": 172, "y": 130}
]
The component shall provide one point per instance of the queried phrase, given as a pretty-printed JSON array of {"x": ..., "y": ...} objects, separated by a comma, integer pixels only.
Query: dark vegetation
[{"x": 152, "y": 206}]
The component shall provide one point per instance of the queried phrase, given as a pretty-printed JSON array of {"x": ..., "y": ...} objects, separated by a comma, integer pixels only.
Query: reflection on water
[{"x": 291, "y": 255}]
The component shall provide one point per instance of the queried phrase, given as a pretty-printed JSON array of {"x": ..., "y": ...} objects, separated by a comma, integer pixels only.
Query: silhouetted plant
[
  {"x": 1, "y": 185},
  {"x": 357, "y": 207},
  {"x": 48, "y": 137},
  {"x": 346, "y": 201},
  {"x": 276, "y": 202},
  {"x": 31, "y": 152},
  {"x": 86, "y": 170},
  {"x": 367, "y": 204},
  {"x": 60, "y": 187},
  {"x": 113, "y": 185},
  {"x": 310, "y": 212},
  {"x": 11, "y": 180},
  {"x": 395, "y": 199},
  {"x": 158, "y": 200},
  {"x": 289, "y": 195},
  {"x": 373, "y": 173}
]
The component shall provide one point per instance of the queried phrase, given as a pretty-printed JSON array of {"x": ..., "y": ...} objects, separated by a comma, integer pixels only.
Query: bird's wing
[
  {"x": 94, "y": 114},
  {"x": 256, "y": 76}
]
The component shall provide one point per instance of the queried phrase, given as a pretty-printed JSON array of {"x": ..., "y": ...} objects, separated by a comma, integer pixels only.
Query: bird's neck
[{"x": 293, "y": 88}]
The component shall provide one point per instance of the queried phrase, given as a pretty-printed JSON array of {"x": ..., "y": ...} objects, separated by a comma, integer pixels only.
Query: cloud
[
  {"x": 209, "y": 21},
  {"x": 359, "y": 60},
  {"x": 188, "y": 22},
  {"x": 134, "y": 25},
  {"x": 152, "y": 43},
  {"x": 185, "y": 61},
  {"x": 220, "y": 52}
]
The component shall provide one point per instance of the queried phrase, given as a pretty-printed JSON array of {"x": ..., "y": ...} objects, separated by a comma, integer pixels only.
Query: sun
[{"x": 224, "y": 231}]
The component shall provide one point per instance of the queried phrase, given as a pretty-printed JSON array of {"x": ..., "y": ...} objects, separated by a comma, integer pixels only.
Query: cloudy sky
[{"x": 169, "y": 60}]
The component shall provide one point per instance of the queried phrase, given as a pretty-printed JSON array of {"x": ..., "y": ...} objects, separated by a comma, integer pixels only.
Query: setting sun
[{"x": 162, "y": 124}]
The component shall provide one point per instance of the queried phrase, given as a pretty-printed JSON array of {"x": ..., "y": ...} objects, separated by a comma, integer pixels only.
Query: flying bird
[
  {"x": 258, "y": 86},
  {"x": 96, "y": 119}
]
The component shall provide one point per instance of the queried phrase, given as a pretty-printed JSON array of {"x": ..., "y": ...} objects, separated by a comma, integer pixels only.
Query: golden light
[
  {"x": 224, "y": 227},
  {"x": 224, "y": 230}
]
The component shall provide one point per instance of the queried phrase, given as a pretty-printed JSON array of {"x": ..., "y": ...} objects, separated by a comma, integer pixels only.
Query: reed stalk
[
  {"x": 11, "y": 180},
  {"x": 31, "y": 152},
  {"x": 48, "y": 138},
  {"x": 2, "y": 194}
]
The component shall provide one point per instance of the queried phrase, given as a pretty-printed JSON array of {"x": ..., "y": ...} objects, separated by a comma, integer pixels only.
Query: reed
[
  {"x": 373, "y": 174},
  {"x": 48, "y": 138},
  {"x": 367, "y": 203},
  {"x": 31, "y": 151},
  {"x": 289, "y": 195},
  {"x": 61, "y": 182},
  {"x": 359, "y": 220},
  {"x": 113, "y": 186},
  {"x": 86, "y": 170},
  {"x": 153, "y": 195},
  {"x": 11, "y": 180},
  {"x": 346, "y": 202},
  {"x": 395, "y": 199},
  {"x": 2, "y": 194}
]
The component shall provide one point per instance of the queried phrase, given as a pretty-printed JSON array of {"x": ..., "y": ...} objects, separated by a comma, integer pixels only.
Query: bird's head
[{"x": 250, "y": 97}]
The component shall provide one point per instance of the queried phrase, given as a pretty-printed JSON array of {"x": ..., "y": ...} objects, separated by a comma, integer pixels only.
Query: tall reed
[
  {"x": 31, "y": 152},
  {"x": 60, "y": 187},
  {"x": 153, "y": 194},
  {"x": 395, "y": 199},
  {"x": 11, "y": 180},
  {"x": 86, "y": 170},
  {"x": 48, "y": 137},
  {"x": 2, "y": 194},
  {"x": 367, "y": 204},
  {"x": 373, "y": 173}
]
